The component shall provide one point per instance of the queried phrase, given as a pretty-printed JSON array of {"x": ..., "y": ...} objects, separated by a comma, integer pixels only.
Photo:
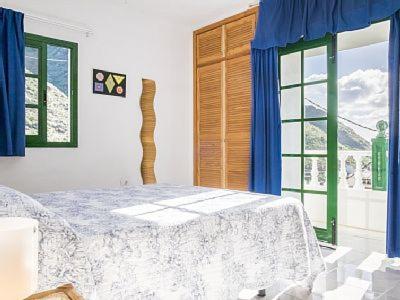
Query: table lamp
[{"x": 19, "y": 245}]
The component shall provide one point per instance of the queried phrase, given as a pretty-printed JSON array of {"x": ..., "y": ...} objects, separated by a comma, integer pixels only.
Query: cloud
[
  {"x": 315, "y": 77},
  {"x": 363, "y": 97},
  {"x": 364, "y": 86}
]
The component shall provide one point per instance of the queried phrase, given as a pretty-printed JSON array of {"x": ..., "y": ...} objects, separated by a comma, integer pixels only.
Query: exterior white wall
[
  {"x": 364, "y": 209},
  {"x": 126, "y": 41}
]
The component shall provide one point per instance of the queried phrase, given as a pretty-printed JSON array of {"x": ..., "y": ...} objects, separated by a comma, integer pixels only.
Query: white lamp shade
[{"x": 19, "y": 244}]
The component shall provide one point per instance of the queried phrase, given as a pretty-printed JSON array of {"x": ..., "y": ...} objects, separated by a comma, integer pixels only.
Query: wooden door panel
[
  {"x": 223, "y": 101},
  {"x": 238, "y": 121},
  {"x": 209, "y": 118},
  {"x": 209, "y": 46},
  {"x": 237, "y": 164},
  {"x": 210, "y": 169},
  {"x": 239, "y": 34}
]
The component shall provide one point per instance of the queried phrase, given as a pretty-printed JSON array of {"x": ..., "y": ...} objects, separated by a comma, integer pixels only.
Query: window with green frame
[{"x": 51, "y": 95}]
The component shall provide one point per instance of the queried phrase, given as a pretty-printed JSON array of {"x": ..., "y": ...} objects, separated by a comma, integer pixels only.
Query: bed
[{"x": 168, "y": 242}]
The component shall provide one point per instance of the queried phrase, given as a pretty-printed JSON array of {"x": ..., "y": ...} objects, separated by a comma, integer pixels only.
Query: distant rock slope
[{"x": 316, "y": 131}]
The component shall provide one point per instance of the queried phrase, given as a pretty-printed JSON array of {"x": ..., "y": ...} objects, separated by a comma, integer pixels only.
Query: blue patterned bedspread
[{"x": 168, "y": 242}]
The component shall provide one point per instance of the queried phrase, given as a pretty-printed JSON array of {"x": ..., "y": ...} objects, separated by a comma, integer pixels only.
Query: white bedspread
[{"x": 169, "y": 242}]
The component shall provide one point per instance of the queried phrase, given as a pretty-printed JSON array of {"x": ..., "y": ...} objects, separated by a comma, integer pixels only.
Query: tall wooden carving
[{"x": 147, "y": 132}]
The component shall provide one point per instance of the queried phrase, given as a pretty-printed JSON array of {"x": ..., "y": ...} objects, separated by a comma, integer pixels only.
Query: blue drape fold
[
  {"x": 286, "y": 21},
  {"x": 266, "y": 154},
  {"x": 393, "y": 207},
  {"x": 12, "y": 83}
]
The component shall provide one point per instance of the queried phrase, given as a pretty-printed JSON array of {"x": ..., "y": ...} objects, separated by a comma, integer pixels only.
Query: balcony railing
[
  {"x": 354, "y": 170},
  {"x": 360, "y": 178}
]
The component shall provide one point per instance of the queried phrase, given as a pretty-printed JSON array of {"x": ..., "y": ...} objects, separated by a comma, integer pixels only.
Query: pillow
[
  {"x": 62, "y": 257},
  {"x": 16, "y": 204}
]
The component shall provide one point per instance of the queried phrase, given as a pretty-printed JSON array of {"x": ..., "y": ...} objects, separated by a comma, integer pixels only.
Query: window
[{"x": 51, "y": 92}]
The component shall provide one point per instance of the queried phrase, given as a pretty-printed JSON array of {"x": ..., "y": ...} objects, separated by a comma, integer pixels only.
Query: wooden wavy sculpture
[{"x": 147, "y": 132}]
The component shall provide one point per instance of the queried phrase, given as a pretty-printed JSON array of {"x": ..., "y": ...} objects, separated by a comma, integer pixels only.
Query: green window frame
[
  {"x": 327, "y": 234},
  {"x": 40, "y": 139}
]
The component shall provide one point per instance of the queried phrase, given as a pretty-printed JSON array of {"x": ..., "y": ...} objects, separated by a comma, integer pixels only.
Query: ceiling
[
  {"x": 194, "y": 12},
  {"x": 376, "y": 33}
]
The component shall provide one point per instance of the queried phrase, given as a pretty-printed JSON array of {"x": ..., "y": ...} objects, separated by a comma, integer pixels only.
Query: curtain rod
[{"x": 69, "y": 26}]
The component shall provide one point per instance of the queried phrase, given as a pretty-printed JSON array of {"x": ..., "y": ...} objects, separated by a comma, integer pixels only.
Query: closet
[{"x": 222, "y": 102}]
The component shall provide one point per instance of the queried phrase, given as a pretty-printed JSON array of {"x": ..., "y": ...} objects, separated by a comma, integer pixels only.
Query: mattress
[{"x": 168, "y": 242}]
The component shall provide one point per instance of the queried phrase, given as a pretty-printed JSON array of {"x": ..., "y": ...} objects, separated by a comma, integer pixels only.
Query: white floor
[
  {"x": 353, "y": 272},
  {"x": 362, "y": 240}
]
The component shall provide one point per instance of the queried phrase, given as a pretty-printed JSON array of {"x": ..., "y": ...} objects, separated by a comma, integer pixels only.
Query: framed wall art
[{"x": 109, "y": 83}]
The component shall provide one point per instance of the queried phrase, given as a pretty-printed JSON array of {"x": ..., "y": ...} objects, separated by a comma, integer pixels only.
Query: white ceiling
[
  {"x": 194, "y": 12},
  {"x": 376, "y": 33}
]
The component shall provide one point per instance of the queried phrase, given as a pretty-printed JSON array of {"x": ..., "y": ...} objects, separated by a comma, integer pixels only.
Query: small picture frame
[{"x": 109, "y": 83}]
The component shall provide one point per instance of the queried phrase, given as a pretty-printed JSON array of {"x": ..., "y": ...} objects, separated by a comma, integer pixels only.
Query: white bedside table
[{"x": 19, "y": 244}]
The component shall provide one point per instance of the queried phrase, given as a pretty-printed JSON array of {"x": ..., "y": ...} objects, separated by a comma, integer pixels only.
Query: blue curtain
[
  {"x": 12, "y": 83},
  {"x": 266, "y": 155},
  {"x": 287, "y": 21},
  {"x": 393, "y": 208}
]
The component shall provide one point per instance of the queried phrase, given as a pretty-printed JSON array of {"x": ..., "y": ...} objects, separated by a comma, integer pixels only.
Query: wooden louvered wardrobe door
[
  {"x": 238, "y": 118},
  {"x": 222, "y": 106},
  {"x": 209, "y": 46},
  {"x": 238, "y": 35},
  {"x": 209, "y": 118}
]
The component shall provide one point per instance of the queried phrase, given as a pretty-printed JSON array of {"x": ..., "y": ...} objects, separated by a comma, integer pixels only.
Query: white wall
[{"x": 126, "y": 41}]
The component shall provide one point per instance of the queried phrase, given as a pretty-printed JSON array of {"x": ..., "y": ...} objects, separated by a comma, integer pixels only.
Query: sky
[
  {"x": 363, "y": 86},
  {"x": 374, "y": 56}
]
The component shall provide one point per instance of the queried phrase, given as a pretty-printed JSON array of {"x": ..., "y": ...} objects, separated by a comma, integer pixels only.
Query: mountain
[
  {"x": 58, "y": 68},
  {"x": 315, "y": 132}
]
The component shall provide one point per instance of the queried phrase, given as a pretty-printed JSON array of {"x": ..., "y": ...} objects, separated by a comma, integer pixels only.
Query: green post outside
[{"x": 379, "y": 158}]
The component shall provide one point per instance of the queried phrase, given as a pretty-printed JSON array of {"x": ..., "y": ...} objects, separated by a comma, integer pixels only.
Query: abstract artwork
[{"x": 108, "y": 83}]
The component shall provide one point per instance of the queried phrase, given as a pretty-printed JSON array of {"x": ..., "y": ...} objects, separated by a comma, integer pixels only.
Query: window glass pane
[
  {"x": 291, "y": 69},
  {"x": 291, "y": 194},
  {"x": 31, "y": 60},
  {"x": 315, "y": 137},
  {"x": 291, "y": 138},
  {"x": 316, "y": 208},
  {"x": 31, "y": 121},
  {"x": 315, "y": 64},
  {"x": 315, "y": 174},
  {"x": 291, "y": 103},
  {"x": 291, "y": 172},
  {"x": 58, "y": 94},
  {"x": 31, "y": 90},
  {"x": 315, "y": 100}
]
